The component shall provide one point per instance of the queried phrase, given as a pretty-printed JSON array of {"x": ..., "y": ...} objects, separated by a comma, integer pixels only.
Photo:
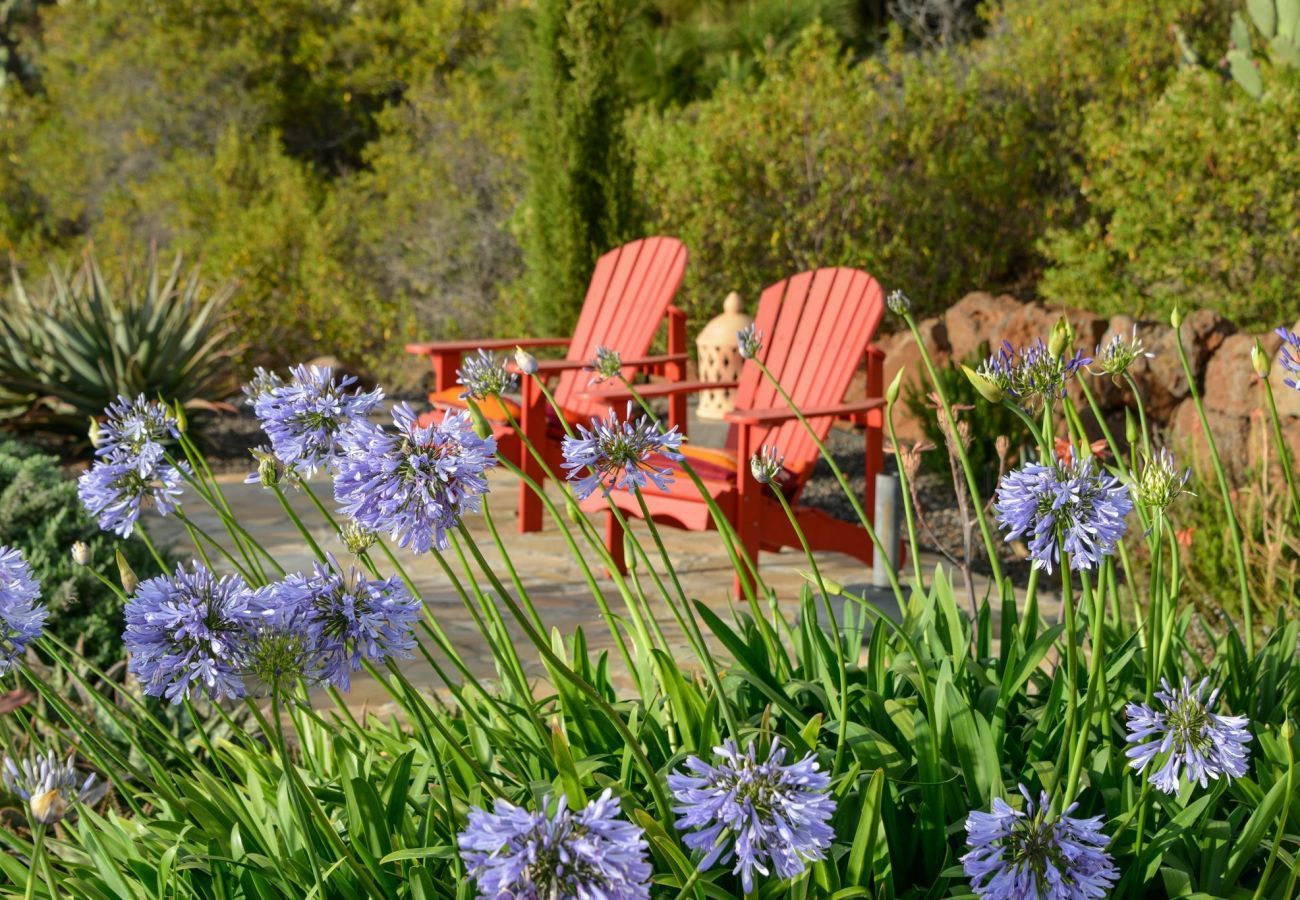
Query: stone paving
[{"x": 552, "y": 578}]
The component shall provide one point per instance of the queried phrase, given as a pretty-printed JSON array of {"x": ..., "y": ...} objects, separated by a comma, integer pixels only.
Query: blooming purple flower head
[
  {"x": 749, "y": 341},
  {"x": 263, "y": 382},
  {"x": 485, "y": 376},
  {"x": 1289, "y": 355},
  {"x": 21, "y": 617},
  {"x": 615, "y": 453},
  {"x": 1119, "y": 353},
  {"x": 606, "y": 365},
  {"x": 1076, "y": 503},
  {"x": 118, "y": 487},
  {"x": 522, "y": 855},
  {"x": 1031, "y": 853},
  {"x": 347, "y": 617},
  {"x": 187, "y": 632},
  {"x": 131, "y": 426},
  {"x": 49, "y": 786},
  {"x": 414, "y": 484},
  {"x": 1186, "y": 737},
  {"x": 1031, "y": 374},
  {"x": 769, "y": 816},
  {"x": 308, "y": 416}
]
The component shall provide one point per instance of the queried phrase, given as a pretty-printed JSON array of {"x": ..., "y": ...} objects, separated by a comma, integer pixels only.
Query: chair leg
[
  {"x": 614, "y": 541},
  {"x": 533, "y": 425}
]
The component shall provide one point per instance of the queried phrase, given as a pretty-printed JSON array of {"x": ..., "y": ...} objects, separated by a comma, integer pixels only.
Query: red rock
[
  {"x": 1231, "y": 385},
  {"x": 1232, "y": 436},
  {"x": 977, "y": 319}
]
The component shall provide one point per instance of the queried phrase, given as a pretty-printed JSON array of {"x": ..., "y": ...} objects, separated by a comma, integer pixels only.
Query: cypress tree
[{"x": 579, "y": 201}]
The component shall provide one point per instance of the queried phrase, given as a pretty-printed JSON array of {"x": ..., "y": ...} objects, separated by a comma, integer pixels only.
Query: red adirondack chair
[
  {"x": 816, "y": 328},
  {"x": 630, "y": 293}
]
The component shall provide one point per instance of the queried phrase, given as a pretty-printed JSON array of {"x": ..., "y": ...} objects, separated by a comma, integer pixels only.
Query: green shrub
[
  {"x": 1193, "y": 203},
  {"x": 70, "y": 350},
  {"x": 40, "y": 514}
]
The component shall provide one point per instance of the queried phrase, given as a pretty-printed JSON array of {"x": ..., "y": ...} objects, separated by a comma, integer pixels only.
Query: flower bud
[
  {"x": 899, "y": 303},
  {"x": 357, "y": 539},
  {"x": 94, "y": 432},
  {"x": 129, "y": 579},
  {"x": 1259, "y": 359},
  {"x": 1061, "y": 338},
  {"x": 80, "y": 553},
  {"x": 765, "y": 465},
  {"x": 1130, "y": 427},
  {"x": 1176, "y": 317},
  {"x": 526, "y": 362},
  {"x": 987, "y": 389},
  {"x": 891, "y": 392},
  {"x": 481, "y": 426},
  {"x": 182, "y": 423}
]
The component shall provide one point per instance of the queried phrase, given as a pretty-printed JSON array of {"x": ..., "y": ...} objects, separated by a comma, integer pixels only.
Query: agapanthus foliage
[
  {"x": 50, "y": 788},
  {"x": 416, "y": 482},
  {"x": 1032, "y": 374},
  {"x": 308, "y": 416},
  {"x": 619, "y": 453},
  {"x": 1184, "y": 737},
  {"x": 348, "y": 618},
  {"x": 483, "y": 376},
  {"x": 512, "y": 852},
  {"x": 186, "y": 633},
  {"x": 117, "y": 488},
  {"x": 768, "y": 817},
  {"x": 1031, "y": 853},
  {"x": 21, "y": 617},
  {"x": 1076, "y": 508}
]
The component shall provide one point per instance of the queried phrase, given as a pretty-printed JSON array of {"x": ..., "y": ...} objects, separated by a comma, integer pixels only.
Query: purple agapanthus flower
[
  {"x": 277, "y": 647},
  {"x": 768, "y": 816},
  {"x": 593, "y": 854},
  {"x": 414, "y": 484},
  {"x": 185, "y": 632},
  {"x": 607, "y": 364},
  {"x": 348, "y": 617},
  {"x": 131, "y": 426},
  {"x": 1017, "y": 854},
  {"x": 1289, "y": 356},
  {"x": 485, "y": 376},
  {"x": 118, "y": 487},
  {"x": 749, "y": 341},
  {"x": 1078, "y": 504},
  {"x": 50, "y": 787},
  {"x": 1187, "y": 737},
  {"x": 308, "y": 416},
  {"x": 1031, "y": 374},
  {"x": 262, "y": 382},
  {"x": 616, "y": 454},
  {"x": 21, "y": 617}
]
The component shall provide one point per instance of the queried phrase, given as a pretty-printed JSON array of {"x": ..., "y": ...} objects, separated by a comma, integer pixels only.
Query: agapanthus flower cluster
[
  {"x": 1119, "y": 353},
  {"x": 21, "y": 617},
  {"x": 616, "y": 453},
  {"x": 749, "y": 341},
  {"x": 1160, "y": 480},
  {"x": 1185, "y": 737},
  {"x": 131, "y": 472},
  {"x": 766, "y": 815},
  {"x": 414, "y": 483},
  {"x": 263, "y": 381},
  {"x": 308, "y": 416},
  {"x": 765, "y": 465},
  {"x": 592, "y": 854},
  {"x": 345, "y": 618},
  {"x": 117, "y": 488},
  {"x": 1017, "y": 854},
  {"x": 485, "y": 376},
  {"x": 898, "y": 303},
  {"x": 1031, "y": 374},
  {"x": 1077, "y": 508},
  {"x": 1289, "y": 355},
  {"x": 50, "y": 787},
  {"x": 607, "y": 364},
  {"x": 187, "y": 632}
]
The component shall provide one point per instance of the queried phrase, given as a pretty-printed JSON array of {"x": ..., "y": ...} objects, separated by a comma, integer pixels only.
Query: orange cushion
[{"x": 493, "y": 408}]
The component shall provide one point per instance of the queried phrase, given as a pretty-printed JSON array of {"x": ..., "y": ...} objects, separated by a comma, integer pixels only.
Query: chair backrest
[
  {"x": 628, "y": 297},
  {"x": 816, "y": 327}
]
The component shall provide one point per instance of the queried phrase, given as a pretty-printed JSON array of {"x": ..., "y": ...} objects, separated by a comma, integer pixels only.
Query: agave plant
[{"x": 71, "y": 349}]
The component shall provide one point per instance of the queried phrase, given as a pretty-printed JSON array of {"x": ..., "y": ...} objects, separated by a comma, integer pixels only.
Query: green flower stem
[
  {"x": 1105, "y": 429},
  {"x": 299, "y": 802},
  {"x": 1028, "y": 629},
  {"x": 836, "y": 636},
  {"x": 1072, "y": 675},
  {"x": 909, "y": 514},
  {"x": 153, "y": 551},
  {"x": 1093, "y": 601},
  {"x": 38, "y": 854},
  {"x": 299, "y": 524},
  {"x": 1170, "y": 611},
  {"x": 1142, "y": 409},
  {"x": 1283, "y": 451},
  {"x": 539, "y": 641},
  {"x": 510, "y": 566},
  {"x": 197, "y": 532},
  {"x": 1128, "y": 817},
  {"x": 1280, "y": 835},
  {"x": 1234, "y": 527},
  {"x": 216, "y": 500}
]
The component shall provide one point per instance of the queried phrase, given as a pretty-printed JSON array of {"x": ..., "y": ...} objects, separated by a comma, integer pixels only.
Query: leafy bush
[
  {"x": 40, "y": 514},
  {"x": 1191, "y": 203},
  {"x": 68, "y": 351}
]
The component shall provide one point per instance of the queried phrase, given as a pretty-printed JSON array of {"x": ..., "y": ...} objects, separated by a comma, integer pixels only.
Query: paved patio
[{"x": 550, "y": 574}]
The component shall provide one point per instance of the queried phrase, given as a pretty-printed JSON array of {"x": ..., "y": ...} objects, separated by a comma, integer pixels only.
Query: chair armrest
[
  {"x": 785, "y": 414},
  {"x": 567, "y": 365},
  {"x": 431, "y": 347},
  {"x": 658, "y": 389}
]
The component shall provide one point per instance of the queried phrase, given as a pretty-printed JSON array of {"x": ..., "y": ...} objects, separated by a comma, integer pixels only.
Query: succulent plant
[
  {"x": 70, "y": 349},
  {"x": 1278, "y": 25}
]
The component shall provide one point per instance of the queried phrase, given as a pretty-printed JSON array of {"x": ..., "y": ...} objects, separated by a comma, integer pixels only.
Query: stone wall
[{"x": 1219, "y": 355}]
